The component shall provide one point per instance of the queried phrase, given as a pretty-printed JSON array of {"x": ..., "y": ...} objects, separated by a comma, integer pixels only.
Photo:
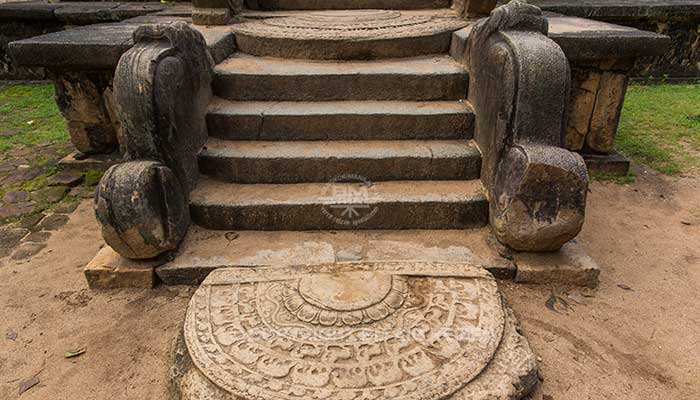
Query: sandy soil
[{"x": 636, "y": 337}]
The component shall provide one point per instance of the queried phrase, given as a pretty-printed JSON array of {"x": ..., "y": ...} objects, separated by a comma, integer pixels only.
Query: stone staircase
[{"x": 327, "y": 135}]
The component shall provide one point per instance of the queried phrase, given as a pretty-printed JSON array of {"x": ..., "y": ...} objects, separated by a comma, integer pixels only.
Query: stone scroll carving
[
  {"x": 519, "y": 87},
  {"x": 162, "y": 87}
]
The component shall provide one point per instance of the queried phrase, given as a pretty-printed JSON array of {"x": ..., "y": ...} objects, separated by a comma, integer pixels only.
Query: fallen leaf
[
  {"x": 74, "y": 353},
  {"x": 624, "y": 287},
  {"x": 28, "y": 384},
  {"x": 686, "y": 223},
  {"x": 11, "y": 335},
  {"x": 551, "y": 301},
  {"x": 231, "y": 236},
  {"x": 32, "y": 122}
]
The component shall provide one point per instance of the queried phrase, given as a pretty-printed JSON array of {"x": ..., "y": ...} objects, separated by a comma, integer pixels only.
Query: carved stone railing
[
  {"x": 162, "y": 87},
  {"x": 520, "y": 82}
]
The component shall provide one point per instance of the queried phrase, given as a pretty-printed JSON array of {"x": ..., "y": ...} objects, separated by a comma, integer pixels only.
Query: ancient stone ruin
[{"x": 252, "y": 132}]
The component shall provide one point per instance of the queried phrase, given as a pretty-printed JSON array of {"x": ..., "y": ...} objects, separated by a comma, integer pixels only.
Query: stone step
[
  {"x": 323, "y": 161},
  {"x": 205, "y": 250},
  {"x": 349, "y": 34},
  {"x": 341, "y": 206},
  {"x": 347, "y": 4},
  {"x": 247, "y": 78},
  {"x": 340, "y": 120}
]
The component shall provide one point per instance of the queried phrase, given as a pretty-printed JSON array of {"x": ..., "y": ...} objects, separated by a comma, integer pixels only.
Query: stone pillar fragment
[
  {"x": 595, "y": 108},
  {"x": 519, "y": 87},
  {"x": 81, "y": 99}
]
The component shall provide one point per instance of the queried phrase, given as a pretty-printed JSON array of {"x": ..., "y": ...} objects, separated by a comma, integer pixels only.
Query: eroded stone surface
[
  {"x": 349, "y": 34},
  {"x": 354, "y": 331}
]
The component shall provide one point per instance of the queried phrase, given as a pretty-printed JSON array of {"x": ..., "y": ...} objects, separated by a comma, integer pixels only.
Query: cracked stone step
[
  {"x": 299, "y": 162},
  {"x": 348, "y": 4},
  {"x": 341, "y": 206},
  {"x": 247, "y": 78},
  {"x": 340, "y": 120},
  {"x": 349, "y": 34}
]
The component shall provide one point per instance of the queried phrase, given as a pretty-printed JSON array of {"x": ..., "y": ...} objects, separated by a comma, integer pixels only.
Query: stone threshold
[{"x": 204, "y": 250}]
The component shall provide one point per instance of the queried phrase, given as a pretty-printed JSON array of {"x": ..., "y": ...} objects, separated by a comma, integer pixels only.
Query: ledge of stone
[
  {"x": 622, "y": 9},
  {"x": 585, "y": 41},
  {"x": 109, "y": 270},
  {"x": 84, "y": 13},
  {"x": 100, "y": 46}
]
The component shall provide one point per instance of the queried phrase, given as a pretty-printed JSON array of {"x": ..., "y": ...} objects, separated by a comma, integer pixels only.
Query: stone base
[
  {"x": 205, "y": 250},
  {"x": 569, "y": 266},
  {"x": 612, "y": 164},
  {"x": 109, "y": 270},
  {"x": 81, "y": 162}
]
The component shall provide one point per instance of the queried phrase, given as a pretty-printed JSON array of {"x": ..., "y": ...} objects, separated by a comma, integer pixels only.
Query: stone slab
[
  {"x": 621, "y": 8},
  {"x": 349, "y": 4},
  {"x": 100, "y": 46},
  {"x": 109, "y": 270},
  {"x": 81, "y": 162},
  {"x": 348, "y": 35},
  {"x": 344, "y": 205},
  {"x": 340, "y": 120},
  {"x": 246, "y": 78},
  {"x": 329, "y": 317},
  {"x": 204, "y": 250},
  {"x": 322, "y": 161},
  {"x": 571, "y": 265},
  {"x": 588, "y": 41},
  {"x": 613, "y": 164}
]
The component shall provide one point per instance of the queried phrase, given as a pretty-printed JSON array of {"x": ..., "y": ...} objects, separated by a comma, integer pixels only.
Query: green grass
[
  {"x": 29, "y": 110},
  {"x": 660, "y": 127}
]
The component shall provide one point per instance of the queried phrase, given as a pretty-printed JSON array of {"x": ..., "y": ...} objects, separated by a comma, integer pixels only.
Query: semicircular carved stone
[
  {"x": 141, "y": 208},
  {"x": 519, "y": 87},
  {"x": 162, "y": 88},
  {"x": 409, "y": 331}
]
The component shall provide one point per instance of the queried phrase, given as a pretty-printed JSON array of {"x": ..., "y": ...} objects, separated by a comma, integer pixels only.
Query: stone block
[
  {"x": 613, "y": 164},
  {"x": 80, "y": 97},
  {"x": 583, "y": 97},
  {"x": 571, "y": 265},
  {"x": 109, "y": 270},
  {"x": 606, "y": 114}
]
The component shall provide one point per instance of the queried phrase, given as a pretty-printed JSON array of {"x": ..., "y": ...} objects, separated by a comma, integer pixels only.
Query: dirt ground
[{"x": 636, "y": 337}]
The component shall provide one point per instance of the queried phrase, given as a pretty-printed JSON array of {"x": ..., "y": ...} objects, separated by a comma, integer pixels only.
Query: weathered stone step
[
  {"x": 347, "y": 4},
  {"x": 349, "y": 34},
  {"x": 204, "y": 250},
  {"x": 340, "y": 206},
  {"x": 323, "y": 161},
  {"x": 340, "y": 120},
  {"x": 244, "y": 77}
]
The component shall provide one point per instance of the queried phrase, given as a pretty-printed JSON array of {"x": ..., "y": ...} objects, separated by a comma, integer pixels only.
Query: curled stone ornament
[
  {"x": 141, "y": 208},
  {"x": 412, "y": 331}
]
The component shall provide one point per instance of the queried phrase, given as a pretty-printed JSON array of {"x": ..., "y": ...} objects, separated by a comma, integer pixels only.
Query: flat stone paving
[{"x": 388, "y": 330}]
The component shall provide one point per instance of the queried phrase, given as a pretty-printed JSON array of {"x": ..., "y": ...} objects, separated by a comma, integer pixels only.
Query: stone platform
[{"x": 383, "y": 331}]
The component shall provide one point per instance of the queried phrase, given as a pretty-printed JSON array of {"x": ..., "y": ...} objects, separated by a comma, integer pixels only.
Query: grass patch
[
  {"x": 29, "y": 116},
  {"x": 660, "y": 127},
  {"x": 620, "y": 180}
]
